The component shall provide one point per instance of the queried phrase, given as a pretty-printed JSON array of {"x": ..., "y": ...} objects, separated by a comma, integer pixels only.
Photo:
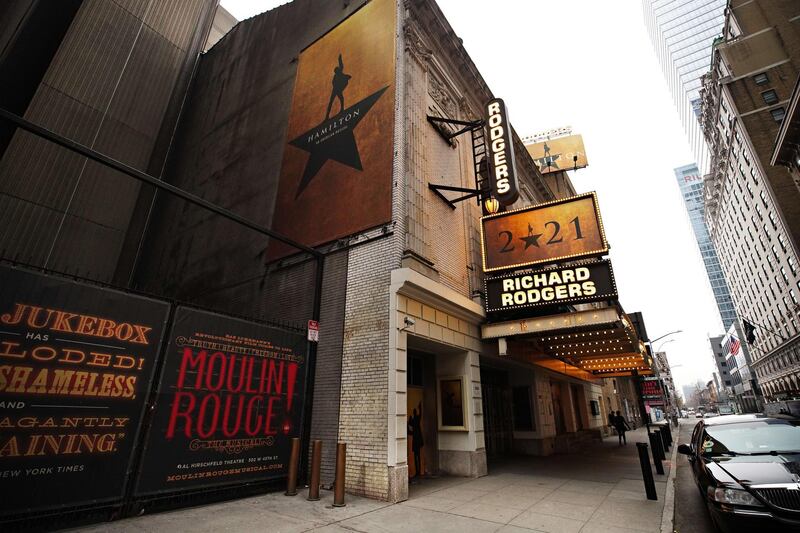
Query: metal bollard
[
  {"x": 338, "y": 483},
  {"x": 647, "y": 472},
  {"x": 669, "y": 435},
  {"x": 316, "y": 460},
  {"x": 658, "y": 452},
  {"x": 291, "y": 481},
  {"x": 664, "y": 440}
]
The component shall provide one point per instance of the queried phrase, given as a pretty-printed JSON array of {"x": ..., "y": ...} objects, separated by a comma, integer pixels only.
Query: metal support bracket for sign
[
  {"x": 437, "y": 189},
  {"x": 446, "y": 135},
  {"x": 478, "y": 151}
]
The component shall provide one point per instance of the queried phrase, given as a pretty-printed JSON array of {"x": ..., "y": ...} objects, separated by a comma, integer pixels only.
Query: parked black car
[{"x": 747, "y": 468}]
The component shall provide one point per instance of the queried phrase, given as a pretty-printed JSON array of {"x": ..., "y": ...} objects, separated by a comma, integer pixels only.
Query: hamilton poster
[
  {"x": 76, "y": 366},
  {"x": 230, "y": 398},
  {"x": 336, "y": 176}
]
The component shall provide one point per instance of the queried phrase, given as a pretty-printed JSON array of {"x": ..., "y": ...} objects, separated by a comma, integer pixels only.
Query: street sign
[
  {"x": 551, "y": 232},
  {"x": 313, "y": 331}
]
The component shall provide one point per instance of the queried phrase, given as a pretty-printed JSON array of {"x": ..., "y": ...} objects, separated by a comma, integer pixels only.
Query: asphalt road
[{"x": 691, "y": 515}]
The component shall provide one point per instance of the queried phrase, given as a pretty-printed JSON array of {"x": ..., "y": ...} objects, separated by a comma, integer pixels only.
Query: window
[
  {"x": 761, "y": 79},
  {"x": 770, "y": 97},
  {"x": 772, "y": 219},
  {"x": 777, "y": 114},
  {"x": 415, "y": 371}
]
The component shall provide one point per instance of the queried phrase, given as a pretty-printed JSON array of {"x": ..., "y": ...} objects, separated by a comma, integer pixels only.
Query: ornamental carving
[
  {"x": 415, "y": 46},
  {"x": 440, "y": 95}
]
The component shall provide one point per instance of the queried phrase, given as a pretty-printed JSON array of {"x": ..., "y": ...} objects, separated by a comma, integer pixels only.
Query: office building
[
  {"x": 752, "y": 208},
  {"x": 723, "y": 371},
  {"x": 743, "y": 390},
  {"x": 691, "y": 184},
  {"x": 682, "y": 32}
]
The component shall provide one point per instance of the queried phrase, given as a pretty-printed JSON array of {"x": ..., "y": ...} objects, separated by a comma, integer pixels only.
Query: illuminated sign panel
[
  {"x": 501, "y": 153},
  {"x": 545, "y": 233},
  {"x": 588, "y": 282},
  {"x": 651, "y": 389},
  {"x": 561, "y": 153}
]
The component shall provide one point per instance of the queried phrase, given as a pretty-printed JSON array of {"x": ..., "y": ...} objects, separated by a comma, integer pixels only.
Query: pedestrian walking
[{"x": 621, "y": 426}]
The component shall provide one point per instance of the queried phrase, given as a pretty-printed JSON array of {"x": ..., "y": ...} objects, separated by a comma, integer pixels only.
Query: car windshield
[{"x": 762, "y": 436}]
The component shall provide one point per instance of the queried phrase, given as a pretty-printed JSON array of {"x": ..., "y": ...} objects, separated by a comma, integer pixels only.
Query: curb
[{"x": 668, "y": 514}]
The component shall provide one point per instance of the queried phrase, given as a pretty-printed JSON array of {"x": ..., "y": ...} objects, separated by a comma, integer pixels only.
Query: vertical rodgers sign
[
  {"x": 76, "y": 362},
  {"x": 230, "y": 399},
  {"x": 503, "y": 174}
]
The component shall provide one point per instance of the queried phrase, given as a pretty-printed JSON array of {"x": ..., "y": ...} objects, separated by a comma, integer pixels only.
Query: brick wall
[
  {"x": 365, "y": 367},
  {"x": 327, "y": 382}
]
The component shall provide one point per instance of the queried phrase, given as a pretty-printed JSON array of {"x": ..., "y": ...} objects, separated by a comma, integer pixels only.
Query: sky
[{"x": 590, "y": 65}]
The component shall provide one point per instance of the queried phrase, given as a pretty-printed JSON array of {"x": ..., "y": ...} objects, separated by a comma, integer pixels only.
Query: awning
[{"x": 601, "y": 342}]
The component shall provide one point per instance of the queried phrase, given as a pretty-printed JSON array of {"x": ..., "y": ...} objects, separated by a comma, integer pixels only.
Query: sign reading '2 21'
[{"x": 545, "y": 233}]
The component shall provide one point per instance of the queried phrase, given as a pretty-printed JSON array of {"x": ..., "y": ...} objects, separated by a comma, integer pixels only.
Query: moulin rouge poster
[
  {"x": 76, "y": 365},
  {"x": 229, "y": 399}
]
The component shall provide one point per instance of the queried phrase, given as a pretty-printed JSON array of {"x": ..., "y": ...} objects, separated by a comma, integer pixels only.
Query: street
[{"x": 691, "y": 514}]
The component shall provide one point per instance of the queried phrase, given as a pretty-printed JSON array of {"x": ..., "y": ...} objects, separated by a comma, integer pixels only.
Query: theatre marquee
[
  {"x": 551, "y": 232},
  {"x": 579, "y": 283}
]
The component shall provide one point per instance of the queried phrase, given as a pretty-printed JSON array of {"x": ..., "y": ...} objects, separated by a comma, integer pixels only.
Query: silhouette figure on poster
[
  {"x": 415, "y": 429},
  {"x": 339, "y": 83}
]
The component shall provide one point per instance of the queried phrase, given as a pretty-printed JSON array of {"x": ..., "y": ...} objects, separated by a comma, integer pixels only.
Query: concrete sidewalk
[{"x": 598, "y": 490}]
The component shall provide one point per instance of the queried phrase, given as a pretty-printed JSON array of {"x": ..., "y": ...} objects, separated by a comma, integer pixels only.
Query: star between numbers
[{"x": 532, "y": 239}]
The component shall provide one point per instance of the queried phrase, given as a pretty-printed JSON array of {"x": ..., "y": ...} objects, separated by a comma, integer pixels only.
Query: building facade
[
  {"x": 723, "y": 371},
  {"x": 681, "y": 32},
  {"x": 751, "y": 207},
  {"x": 330, "y": 129},
  {"x": 124, "y": 102},
  {"x": 690, "y": 182},
  {"x": 744, "y": 390}
]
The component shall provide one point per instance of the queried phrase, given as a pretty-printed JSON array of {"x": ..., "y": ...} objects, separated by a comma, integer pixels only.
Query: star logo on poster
[{"x": 333, "y": 138}]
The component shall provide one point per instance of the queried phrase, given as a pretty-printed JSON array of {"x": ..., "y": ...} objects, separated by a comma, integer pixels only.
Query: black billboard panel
[
  {"x": 230, "y": 398},
  {"x": 76, "y": 365},
  {"x": 578, "y": 283}
]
